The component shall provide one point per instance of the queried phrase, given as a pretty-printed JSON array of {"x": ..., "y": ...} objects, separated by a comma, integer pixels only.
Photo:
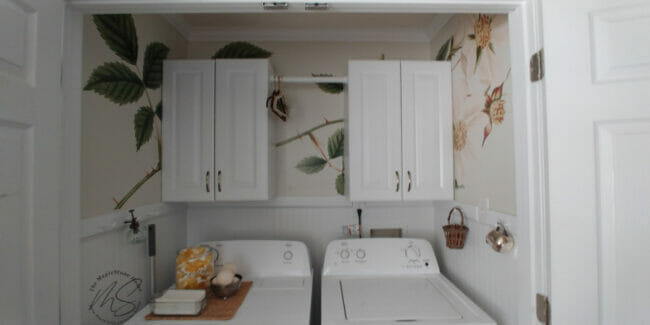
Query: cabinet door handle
[
  {"x": 396, "y": 181},
  {"x": 409, "y": 176},
  {"x": 207, "y": 181},
  {"x": 219, "y": 180}
]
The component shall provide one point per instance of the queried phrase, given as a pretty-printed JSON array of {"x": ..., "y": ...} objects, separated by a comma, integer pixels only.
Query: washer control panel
[
  {"x": 380, "y": 256},
  {"x": 259, "y": 258},
  {"x": 346, "y": 254}
]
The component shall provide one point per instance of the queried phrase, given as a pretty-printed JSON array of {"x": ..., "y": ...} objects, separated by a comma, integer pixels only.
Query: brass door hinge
[
  {"x": 543, "y": 309},
  {"x": 537, "y": 66}
]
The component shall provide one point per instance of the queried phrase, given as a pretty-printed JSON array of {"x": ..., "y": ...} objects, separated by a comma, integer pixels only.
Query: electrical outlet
[
  {"x": 351, "y": 230},
  {"x": 482, "y": 210}
]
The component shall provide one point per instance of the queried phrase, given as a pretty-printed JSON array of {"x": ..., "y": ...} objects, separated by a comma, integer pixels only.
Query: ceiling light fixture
[
  {"x": 316, "y": 6},
  {"x": 275, "y": 5}
]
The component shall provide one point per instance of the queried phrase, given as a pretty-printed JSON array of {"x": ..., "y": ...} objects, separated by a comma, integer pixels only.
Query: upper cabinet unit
[
  {"x": 399, "y": 131},
  {"x": 188, "y": 130},
  {"x": 215, "y": 130}
]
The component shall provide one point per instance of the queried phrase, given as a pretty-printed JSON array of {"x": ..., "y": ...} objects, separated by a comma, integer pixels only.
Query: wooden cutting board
[{"x": 215, "y": 309}]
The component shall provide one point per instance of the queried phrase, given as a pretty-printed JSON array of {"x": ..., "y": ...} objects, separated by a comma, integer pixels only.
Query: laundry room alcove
[{"x": 306, "y": 166}]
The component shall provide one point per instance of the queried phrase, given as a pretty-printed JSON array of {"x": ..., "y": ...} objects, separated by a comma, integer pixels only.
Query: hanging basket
[{"x": 455, "y": 234}]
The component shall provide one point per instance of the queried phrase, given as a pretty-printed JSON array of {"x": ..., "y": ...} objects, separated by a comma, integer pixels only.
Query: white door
[
  {"x": 187, "y": 130},
  {"x": 374, "y": 128},
  {"x": 241, "y": 130},
  {"x": 597, "y": 83},
  {"x": 427, "y": 156},
  {"x": 30, "y": 160}
]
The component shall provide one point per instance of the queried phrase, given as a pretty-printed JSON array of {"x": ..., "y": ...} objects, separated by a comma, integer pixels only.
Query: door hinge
[
  {"x": 537, "y": 66},
  {"x": 543, "y": 309}
]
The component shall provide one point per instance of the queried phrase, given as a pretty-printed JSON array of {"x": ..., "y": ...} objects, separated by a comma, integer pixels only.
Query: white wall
[
  {"x": 107, "y": 251},
  {"x": 316, "y": 227},
  {"x": 487, "y": 277},
  {"x": 108, "y": 128},
  {"x": 491, "y": 279}
]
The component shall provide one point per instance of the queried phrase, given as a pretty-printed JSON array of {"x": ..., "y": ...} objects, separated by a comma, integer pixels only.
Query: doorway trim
[{"x": 530, "y": 149}]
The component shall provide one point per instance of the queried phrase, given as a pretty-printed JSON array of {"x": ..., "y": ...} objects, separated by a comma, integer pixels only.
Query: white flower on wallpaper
[
  {"x": 468, "y": 119},
  {"x": 486, "y": 46},
  {"x": 479, "y": 53}
]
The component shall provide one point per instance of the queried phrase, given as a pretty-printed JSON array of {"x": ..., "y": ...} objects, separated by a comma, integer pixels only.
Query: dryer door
[{"x": 395, "y": 299}]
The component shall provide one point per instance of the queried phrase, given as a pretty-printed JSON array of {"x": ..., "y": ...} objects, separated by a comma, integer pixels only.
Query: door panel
[
  {"x": 623, "y": 192},
  {"x": 30, "y": 160},
  {"x": 374, "y": 131},
  {"x": 188, "y": 98},
  {"x": 426, "y": 130},
  {"x": 597, "y": 191},
  {"x": 241, "y": 134},
  {"x": 15, "y": 144}
]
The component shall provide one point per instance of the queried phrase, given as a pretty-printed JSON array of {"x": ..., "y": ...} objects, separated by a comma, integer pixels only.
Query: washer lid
[
  {"x": 280, "y": 283},
  {"x": 395, "y": 299}
]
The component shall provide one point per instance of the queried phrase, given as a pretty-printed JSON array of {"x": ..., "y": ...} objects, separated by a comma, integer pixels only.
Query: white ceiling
[{"x": 321, "y": 26}]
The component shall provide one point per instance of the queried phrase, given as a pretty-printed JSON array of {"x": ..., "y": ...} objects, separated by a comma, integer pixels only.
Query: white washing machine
[
  {"x": 390, "y": 281},
  {"x": 282, "y": 283}
]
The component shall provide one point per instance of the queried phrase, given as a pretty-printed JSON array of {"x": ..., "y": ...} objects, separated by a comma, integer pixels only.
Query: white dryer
[
  {"x": 390, "y": 281},
  {"x": 282, "y": 283}
]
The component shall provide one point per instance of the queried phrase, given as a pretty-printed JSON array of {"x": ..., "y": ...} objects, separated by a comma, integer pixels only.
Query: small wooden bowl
[{"x": 226, "y": 291}]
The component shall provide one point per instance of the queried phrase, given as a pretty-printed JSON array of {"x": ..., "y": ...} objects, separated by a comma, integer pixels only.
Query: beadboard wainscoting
[
  {"x": 107, "y": 257},
  {"x": 316, "y": 227},
  {"x": 487, "y": 277}
]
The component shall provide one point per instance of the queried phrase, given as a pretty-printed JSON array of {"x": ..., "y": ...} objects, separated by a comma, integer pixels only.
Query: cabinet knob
[
  {"x": 207, "y": 181},
  {"x": 219, "y": 181},
  {"x": 408, "y": 173},
  {"x": 396, "y": 181}
]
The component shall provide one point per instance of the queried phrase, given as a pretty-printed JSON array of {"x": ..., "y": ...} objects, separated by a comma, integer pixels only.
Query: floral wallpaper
[
  {"x": 122, "y": 110},
  {"x": 478, "y": 47}
]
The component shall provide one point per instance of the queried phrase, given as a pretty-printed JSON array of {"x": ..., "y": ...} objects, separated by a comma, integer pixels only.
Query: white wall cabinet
[
  {"x": 215, "y": 130},
  {"x": 241, "y": 130},
  {"x": 399, "y": 131},
  {"x": 188, "y": 130}
]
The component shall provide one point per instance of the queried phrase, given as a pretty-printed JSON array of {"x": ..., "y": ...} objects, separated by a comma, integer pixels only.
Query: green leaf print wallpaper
[
  {"x": 121, "y": 85},
  {"x": 126, "y": 82},
  {"x": 152, "y": 70},
  {"x": 241, "y": 50},
  {"x": 122, "y": 108},
  {"x": 118, "y": 31}
]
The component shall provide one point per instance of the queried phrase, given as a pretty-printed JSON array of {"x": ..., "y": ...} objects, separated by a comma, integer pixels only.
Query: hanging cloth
[{"x": 277, "y": 103}]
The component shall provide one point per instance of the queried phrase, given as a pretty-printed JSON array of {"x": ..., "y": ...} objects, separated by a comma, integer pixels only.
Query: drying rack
[{"x": 302, "y": 80}]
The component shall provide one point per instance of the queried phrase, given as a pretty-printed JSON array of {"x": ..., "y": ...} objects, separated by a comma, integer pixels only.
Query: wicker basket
[{"x": 455, "y": 234}]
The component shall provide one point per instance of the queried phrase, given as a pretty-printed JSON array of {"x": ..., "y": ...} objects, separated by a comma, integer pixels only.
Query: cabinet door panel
[
  {"x": 241, "y": 130},
  {"x": 427, "y": 130},
  {"x": 187, "y": 130},
  {"x": 374, "y": 131}
]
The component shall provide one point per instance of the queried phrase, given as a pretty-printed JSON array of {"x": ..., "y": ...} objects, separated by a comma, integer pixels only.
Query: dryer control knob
[
  {"x": 288, "y": 255},
  {"x": 345, "y": 254},
  {"x": 412, "y": 252},
  {"x": 361, "y": 254}
]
